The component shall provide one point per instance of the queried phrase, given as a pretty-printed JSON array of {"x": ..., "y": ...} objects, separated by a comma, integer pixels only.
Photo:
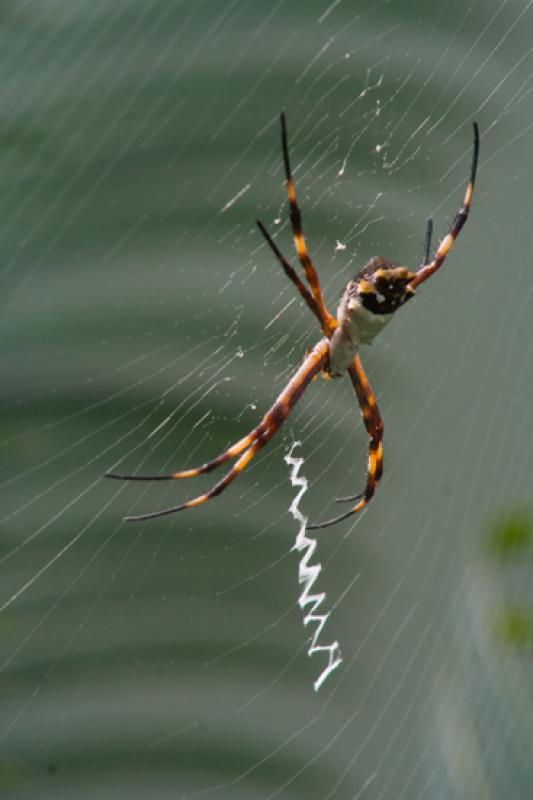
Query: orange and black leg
[
  {"x": 374, "y": 427},
  {"x": 460, "y": 218},
  {"x": 299, "y": 241},
  {"x": 219, "y": 487},
  {"x": 291, "y": 273},
  {"x": 232, "y": 452},
  {"x": 248, "y": 446}
]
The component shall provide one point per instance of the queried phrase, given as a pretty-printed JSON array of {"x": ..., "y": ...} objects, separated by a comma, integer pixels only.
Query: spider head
[
  {"x": 366, "y": 306},
  {"x": 381, "y": 287}
]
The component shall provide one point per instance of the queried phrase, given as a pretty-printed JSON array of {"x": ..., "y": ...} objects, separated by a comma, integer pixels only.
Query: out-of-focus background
[{"x": 145, "y": 325}]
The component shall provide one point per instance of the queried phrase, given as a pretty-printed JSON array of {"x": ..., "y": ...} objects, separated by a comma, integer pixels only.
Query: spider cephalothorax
[
  {"x": 366, "y": 306},
  {"x": 382, "y": 287}
]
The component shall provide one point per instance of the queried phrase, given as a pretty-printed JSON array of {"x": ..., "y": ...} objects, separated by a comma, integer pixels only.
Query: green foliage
[
  {"x": 511, "y": 535},
  {"x": 514, "y": 626}
]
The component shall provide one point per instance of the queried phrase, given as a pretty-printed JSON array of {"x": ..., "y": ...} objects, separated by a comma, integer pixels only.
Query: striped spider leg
[
  {"x": 315, "y": 362},
  {"x": 247, "y": 447},
  {"x": 381, "y": 296},
  {"x": 366, "y": 306}
]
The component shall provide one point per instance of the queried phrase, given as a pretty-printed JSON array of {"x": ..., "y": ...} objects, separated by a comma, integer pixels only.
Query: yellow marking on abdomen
[{"x": 365, "y": 287}]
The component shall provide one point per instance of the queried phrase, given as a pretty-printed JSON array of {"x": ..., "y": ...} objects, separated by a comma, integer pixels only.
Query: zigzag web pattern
[{"x": 308, "y": 574}]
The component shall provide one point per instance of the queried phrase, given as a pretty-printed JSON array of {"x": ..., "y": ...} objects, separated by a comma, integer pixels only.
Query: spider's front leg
[
  {"x": 461, "y": 217},
  {"x": 374, "y": 427},
  {"x": 313, "y": 298}
]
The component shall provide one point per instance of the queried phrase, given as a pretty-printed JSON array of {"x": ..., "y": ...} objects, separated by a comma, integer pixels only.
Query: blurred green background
[{"x": 144, "y": 323}]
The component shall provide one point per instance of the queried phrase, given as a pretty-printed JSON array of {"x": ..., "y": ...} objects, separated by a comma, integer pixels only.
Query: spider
[{"x": 366, "y": 306}]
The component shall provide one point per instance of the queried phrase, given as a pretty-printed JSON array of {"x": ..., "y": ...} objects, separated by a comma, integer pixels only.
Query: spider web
[{"x": 144, "y": 323}]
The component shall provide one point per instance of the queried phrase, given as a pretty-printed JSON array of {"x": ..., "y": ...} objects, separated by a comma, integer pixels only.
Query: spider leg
[
  {"x": 460, "y": 218},
  {"x": 233, "y": 451},
  {"x": 374, "y": 427},
  {"x": 299, "y": 241},
  {"x": 273, "y": 419},
  {"x": 427, "y": 243},
  {"x": 216, "y": 490},
  {"x": 291, "y": 273}
]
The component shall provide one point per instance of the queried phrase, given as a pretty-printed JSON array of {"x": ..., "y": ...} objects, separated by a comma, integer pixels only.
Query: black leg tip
[{"x": 348, "y": 499}]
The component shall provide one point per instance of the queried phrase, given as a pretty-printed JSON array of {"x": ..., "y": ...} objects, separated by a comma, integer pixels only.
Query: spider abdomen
[{"x": 357, "y": 325}]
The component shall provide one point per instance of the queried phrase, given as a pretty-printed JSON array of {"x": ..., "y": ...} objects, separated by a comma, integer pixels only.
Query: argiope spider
[{"x": 366, "y": 306}]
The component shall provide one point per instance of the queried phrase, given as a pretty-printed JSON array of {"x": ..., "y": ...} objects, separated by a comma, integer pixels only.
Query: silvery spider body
[{"x": 366, "y": 306}]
